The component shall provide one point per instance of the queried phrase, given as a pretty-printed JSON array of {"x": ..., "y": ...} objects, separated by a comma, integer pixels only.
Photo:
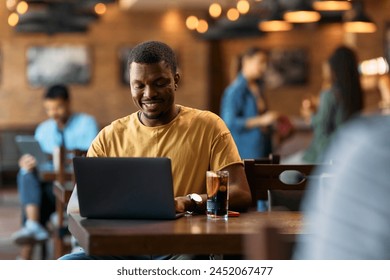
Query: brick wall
[
  {"x": 105, "y": 96},
  {"x": 107, "y": 99}
]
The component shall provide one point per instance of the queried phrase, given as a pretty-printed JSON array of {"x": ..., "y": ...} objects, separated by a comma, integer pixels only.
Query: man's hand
[
  {"x": 27, "y": 162},
  {"x": 182, "y": 203},
  {"x": 384, "y": 88},
  {"x": 262, "y": 120}
]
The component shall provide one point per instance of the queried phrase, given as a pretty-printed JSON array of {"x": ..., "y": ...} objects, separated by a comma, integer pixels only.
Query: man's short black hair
[
  {"x": 57, "y": 91},
  {"x": 150, "y": 52}
]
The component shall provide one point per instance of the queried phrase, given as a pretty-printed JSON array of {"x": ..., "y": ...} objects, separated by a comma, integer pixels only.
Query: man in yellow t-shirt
[{"x": 194, "y": 140}]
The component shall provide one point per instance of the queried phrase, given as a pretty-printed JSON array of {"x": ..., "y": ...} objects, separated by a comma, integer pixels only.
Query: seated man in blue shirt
[{"x": 63, "y": 128}]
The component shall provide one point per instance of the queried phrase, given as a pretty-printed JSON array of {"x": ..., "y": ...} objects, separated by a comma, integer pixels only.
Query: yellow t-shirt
[{"x": 195, "y": 141}]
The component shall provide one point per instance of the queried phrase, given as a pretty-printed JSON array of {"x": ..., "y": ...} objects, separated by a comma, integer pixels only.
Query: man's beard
[{"x": 150, "y": 116}]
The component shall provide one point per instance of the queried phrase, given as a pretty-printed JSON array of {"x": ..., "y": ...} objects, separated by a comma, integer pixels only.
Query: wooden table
[
  {"x": 187, "y": 235},
  {"x": 52, "y": 175}
]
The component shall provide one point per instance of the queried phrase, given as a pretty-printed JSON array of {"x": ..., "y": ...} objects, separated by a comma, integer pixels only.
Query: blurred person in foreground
[
  {"x": 341, "y": 99},
  {"x": 347, "y": 217},
  {"x": 196, "y": 141},
  {"x": 63, "y": 128}
]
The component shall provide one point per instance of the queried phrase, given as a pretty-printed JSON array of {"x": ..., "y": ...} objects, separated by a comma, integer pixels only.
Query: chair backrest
[
  {"x": 265, "y": 178},
  {"x": 63, "y": 187},
  {"x": 271, "y": 159},
  {"x": 63, "y": 162}
]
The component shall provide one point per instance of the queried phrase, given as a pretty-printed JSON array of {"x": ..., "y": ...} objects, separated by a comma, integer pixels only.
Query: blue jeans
[{"x": 32, "y": 191}]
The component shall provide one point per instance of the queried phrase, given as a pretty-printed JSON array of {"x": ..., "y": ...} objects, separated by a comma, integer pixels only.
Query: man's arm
[
  {"x": 239, "y": 193},
  {"x": 262, "y": 120}
]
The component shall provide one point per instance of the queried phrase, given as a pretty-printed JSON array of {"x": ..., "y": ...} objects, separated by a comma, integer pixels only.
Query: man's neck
[
  {"x": 61, "y": 124},
  {"x": 157, "y": 122}
]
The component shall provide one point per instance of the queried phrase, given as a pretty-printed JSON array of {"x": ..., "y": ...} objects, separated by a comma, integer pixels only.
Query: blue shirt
[
  {"x": 237, "y": 106},
  {"x": 79, "y": 132}
]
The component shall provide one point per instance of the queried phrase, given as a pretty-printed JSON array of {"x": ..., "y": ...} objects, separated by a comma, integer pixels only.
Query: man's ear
[{"x": 177, "y": 79}]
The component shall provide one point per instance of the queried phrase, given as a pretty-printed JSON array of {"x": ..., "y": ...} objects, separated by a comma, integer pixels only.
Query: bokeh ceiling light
[
  {"x": 192, "y": 22},
  {"x": 244, "y": 18},
  {"x": 275, "y": 25},
  {"x": 243, "y": 6},
  {"x": 359, "y": 27},
  {"x": 13, "y": 19},
  {"x": 232, "y": 14},
  {"x": 357, "y": 21},
  {"x": 324, "y": 5},
  {"x": 11, "y": 4},
  {"x": 100, "y": 8},
  {"x": 302, "y": 16},
  {"x": 275, "y": 22},
  {"x": 55, "y": 16},
  {"x": 22, "y": 8},
  {"x": 303, "y": 13},
  {"x": 203, "y": 26},
  {"x": 215, "y": 10}
]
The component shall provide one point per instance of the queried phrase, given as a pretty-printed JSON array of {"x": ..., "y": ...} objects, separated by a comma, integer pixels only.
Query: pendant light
[
  {"x": 357, "y": 21},
  {"x": 275, "y": 22},
  {"x": 325, "y": 5},
  {"x": 303, "y": 13}
]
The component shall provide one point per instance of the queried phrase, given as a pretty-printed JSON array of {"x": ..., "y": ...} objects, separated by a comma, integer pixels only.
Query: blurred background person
[
  {"x": 340, "y": 100},
  {"x": 63, "y": 128},
  {"x": 244, "y": 106}
]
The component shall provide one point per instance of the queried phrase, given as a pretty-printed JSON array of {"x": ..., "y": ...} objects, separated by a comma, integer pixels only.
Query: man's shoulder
[
  {"x": 83, "y": 116},
  {"x": 45, "y": 124},
  {"x": 124, "y": 120},
  {"x": 199, "y": 114},
  {"x": 237, "y": 88},
  {"x": 119, "y": 124},
  {"x": 205, "y": 119}
]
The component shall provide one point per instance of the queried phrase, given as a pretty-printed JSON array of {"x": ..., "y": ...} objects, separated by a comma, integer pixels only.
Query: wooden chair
[
  {"x": 61, "y": 176},
  {"x": 63, "y": 187},
  {"x": 271, "y": 159},
  {"x": 265, "y": 183}
]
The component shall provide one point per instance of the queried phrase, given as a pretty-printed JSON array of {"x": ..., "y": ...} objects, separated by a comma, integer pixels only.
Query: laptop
[
  {"x": 125, "y": 188},
  {"x": 27, "y": 144}
]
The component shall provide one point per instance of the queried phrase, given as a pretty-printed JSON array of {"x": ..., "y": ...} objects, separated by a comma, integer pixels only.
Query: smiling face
[{"x": 153, "y": 89}]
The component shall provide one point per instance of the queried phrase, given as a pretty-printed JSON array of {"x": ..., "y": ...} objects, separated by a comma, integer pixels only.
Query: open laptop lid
[{"x": 125, "y": 188}]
